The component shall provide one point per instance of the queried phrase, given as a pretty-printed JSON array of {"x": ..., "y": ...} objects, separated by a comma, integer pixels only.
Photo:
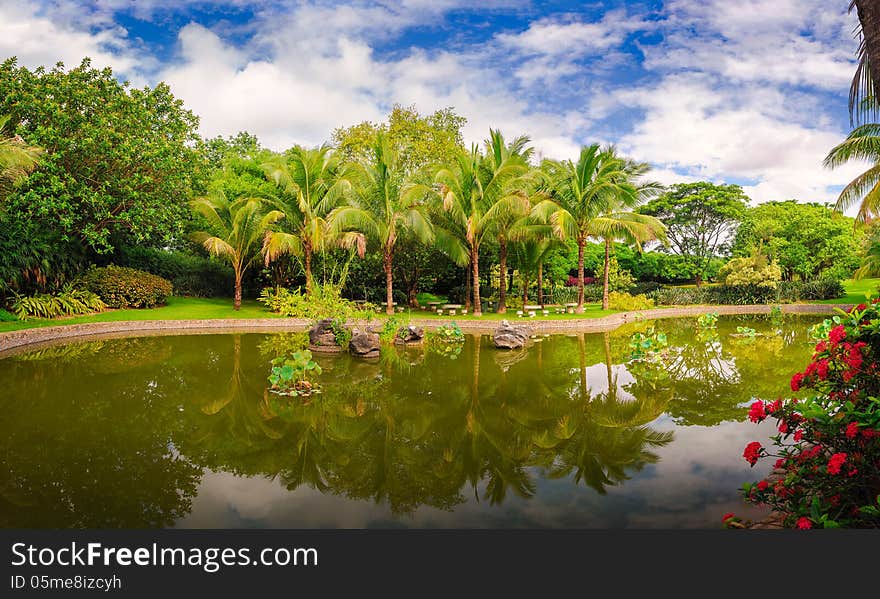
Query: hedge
[{"x": 121, "y": 287}]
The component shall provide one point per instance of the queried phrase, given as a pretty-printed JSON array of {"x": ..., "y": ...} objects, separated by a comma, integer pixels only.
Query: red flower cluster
[
  {"x": 835, "y": 463},
  {"x": 756, "y": 412},
  {"x": 852, "y": 430},
  {"x": 804, "y": 523},
  {"x": 837, "y": 334},
  {"x": 752, "y": 452}
]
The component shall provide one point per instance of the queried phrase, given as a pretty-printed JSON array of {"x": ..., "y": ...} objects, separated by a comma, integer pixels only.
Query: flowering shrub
[{"x": 827, "y": 451}]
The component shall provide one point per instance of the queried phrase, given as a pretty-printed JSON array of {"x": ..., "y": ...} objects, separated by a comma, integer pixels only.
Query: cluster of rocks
[
  {"x": 511, "y": 336},
  {"x": 410, "y": 334},
  {"x": 322, "y": 338}
]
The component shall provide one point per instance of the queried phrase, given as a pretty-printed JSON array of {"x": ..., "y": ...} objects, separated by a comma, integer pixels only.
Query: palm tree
[
  {"x": 871, "y": 262},
  {"x": 16, "y": 158},
  {"x": 475, "y": 193},
  {"x": 617, "y": 224},
  {"x": 387, "y": 207},
  {"x": 863, "y": 144},
  {"x": 310, "y": 186},
  {"x": 238, "y": 230},
  {"x": 866, "y": 81},
  {"x": 584, "y": 199}
]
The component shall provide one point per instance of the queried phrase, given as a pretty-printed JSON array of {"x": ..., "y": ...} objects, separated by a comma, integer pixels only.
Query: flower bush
[{"x": 827, "y": 450}]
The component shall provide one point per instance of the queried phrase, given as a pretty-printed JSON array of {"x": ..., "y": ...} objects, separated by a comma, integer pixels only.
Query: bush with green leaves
[
  {"x": 325, "y": 301},
  {"x": 294, "y": 374},
  {"x": 753, "y": 270},
  {"x": 447, "y": 333},
  {"x": 7, "y": 316},
  {"x": 68, "y": 302},
  {"x": 822, "y": 289},
  {"x": 122, "y": 287},
  {"x": 191, "y": 276},
  {"x": 618, "y": 300}
]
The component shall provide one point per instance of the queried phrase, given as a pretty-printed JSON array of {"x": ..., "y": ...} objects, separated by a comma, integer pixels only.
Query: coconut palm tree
[
  {"x": 16, "y": 158},
  {"x": 582, "y": 196},
  {"x": 871, "y": 262},
  {"x": 475, "y": 193},
  {"x": 863, "y": 144},
  {"x": 618, "y": 224},
  {"x": 386, "y": 206},
  {"x": 238, "y": 229},
  {"x": 310, "y": 185},
  {"x": 866, "y": 81}
]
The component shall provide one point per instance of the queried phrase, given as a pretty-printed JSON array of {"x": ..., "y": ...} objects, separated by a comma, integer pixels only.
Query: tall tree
[
  {"x": 866, "y": 81},
  {"x": 119, "y": 162},
  {"x": 582, "y": 196},
  {"x": 386, "y": 207},
  {"x": 309, "y": 187},
  {"x": 474, "y": 193},
  {"x": 701, "y": 220},
  {"x": 238, "y": 229}
]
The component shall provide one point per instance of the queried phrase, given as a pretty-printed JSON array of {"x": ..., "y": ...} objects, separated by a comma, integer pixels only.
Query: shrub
[
  {"x": 811, "y": 290},
  {"x": 325, "y": 301},
  {"x": 754, "y": 271},
  {"x": 678, "y": 296},
  {"x": 122, "y": 287},
  {"x": 644, "y": 287},
  {"x": 624, "y": 301},
  {"x": 7, "y": 316},
  {"x": 190, "y": 275},
  {"x": 828, "y": 446},
  {"x": 68, "y": 302}
]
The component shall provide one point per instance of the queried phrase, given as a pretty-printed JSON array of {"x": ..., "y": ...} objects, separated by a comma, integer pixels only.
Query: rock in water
[
  {"x": 509, "y": 336},
  {"x": 321, "y": 337},
  {"x": 410, "y": 334},
  {"x": 364, "y": 344}
]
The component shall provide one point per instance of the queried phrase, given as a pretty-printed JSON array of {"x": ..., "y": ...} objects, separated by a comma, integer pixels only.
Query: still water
[{"x": 180, "y": 431}]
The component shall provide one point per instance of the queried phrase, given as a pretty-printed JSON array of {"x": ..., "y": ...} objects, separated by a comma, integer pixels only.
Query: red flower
[
  {"x": 861, "y": 307},
  {"x": 837, "y": 460},
  {"x": 837, "y": 334},
  {"x": 756, "y": 412},
  {"x": 804, "y": 523},
  {"x": 798, "y": 435},
  {"x": 774, "y": 407},
  {"x": 728, "y": 516},
  {"x": 752, "y": 452},
  {"x": 783, "y": 427},
  {"x": 796, "y": 381},
  {"x": 822, "y": 369},
  {"x": 852, "y": 429},
  {"x": 821, "y": 346},
  {"x": 762, "y": 486}
]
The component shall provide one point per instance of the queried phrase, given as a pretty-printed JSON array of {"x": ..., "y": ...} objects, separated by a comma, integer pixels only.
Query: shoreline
[{"x": 14, "y": 342}]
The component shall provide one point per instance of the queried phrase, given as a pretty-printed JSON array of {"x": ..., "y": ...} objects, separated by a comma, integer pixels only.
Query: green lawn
[
  {"x": 191, "y": 308},
  {"x": 855, "y": 291},
  {"x": 178, "y": 308}
]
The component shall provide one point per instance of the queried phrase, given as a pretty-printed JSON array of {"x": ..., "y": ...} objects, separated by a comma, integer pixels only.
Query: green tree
[
  {"x": 474, "y": 193},
  {"x": 588, "y": 198},
  {"x": 701, "y": 220},
  {"x": 238, "y": 229},
  {"x": 387, "y": 206},
  {"x": 309, "y": 186},
  {"x": 808, "y": 241},
  {"x": 118, "y": 162},
  {"x": 422, "y": 143},
  {"x": 17, "y": 158}
]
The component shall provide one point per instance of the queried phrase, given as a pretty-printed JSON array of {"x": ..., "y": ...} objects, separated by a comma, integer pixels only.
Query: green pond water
[{"x": 180, "y": 431}]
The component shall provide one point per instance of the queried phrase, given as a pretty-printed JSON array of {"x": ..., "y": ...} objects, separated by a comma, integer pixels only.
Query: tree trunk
[
  {"x": 236, "y": 302},
  {"x": 502, "y": 280},
  {"x": 389, "y": 291},
  {"x": 541, "y": 284},
  {"x": 525, "y": 288},
  {"x": 580, "y": 306},
  {"x": 307, "y": 251},
  {"x": 869, "y": 16},
  {"x": 698, "y": 280},
  {"x": 467, "y": 289},
  {"x": 605, "y": 282},
  {"x": 475, "y": 280}
]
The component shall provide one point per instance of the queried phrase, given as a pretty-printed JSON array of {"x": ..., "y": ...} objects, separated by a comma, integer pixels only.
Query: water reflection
[{"x": 163, "y": 431}]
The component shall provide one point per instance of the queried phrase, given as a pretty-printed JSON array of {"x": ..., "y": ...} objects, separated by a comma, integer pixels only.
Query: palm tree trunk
[
  {"x": 869, "y": 16},
  {"x": 475, "y": 280},
  {"x": 467, "y": 289},
  {"x": 541, "y": 284},
  {"x": 502, "y": 280},
  {"x": 389, "y": 291},
  {"x": 605, "y": 281},
  {"x": 607, "y": 337},
  {"x": 236, "y": 302},
  {"x": 525, "y": 288},
  {"x": 307, "y": 251},
  {"x": 580, "y": 307}
]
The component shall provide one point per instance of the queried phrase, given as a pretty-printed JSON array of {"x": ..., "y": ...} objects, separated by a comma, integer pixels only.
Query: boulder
[
  {"x": 364, "y": 344},
  {"x": 510, "y": 336},
  {"x": 410, "y": 334},
  {"x": 321, "y": 337}
]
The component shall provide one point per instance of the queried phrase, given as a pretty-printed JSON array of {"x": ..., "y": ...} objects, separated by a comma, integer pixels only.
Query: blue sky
[{"x": 751, "y": 92}]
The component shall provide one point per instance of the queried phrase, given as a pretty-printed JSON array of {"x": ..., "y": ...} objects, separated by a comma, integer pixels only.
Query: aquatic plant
[
  {"x": 709, "y": 320},
  {"x": 648, "y": 346},
  {"x": 294, "y": 374}
]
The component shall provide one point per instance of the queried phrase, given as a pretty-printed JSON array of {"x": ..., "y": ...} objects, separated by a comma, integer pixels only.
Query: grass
[
  {"x": 855, "y": 291},
  {"x": 178, "y": 308},
  {"x": 193, "y": 308}
]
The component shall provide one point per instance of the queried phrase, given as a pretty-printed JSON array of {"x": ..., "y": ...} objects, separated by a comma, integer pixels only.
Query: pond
[{"x": 180, "y": 431}]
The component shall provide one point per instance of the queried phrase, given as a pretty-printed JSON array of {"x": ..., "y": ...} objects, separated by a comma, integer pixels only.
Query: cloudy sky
[{"x": 750, "y": 92}]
